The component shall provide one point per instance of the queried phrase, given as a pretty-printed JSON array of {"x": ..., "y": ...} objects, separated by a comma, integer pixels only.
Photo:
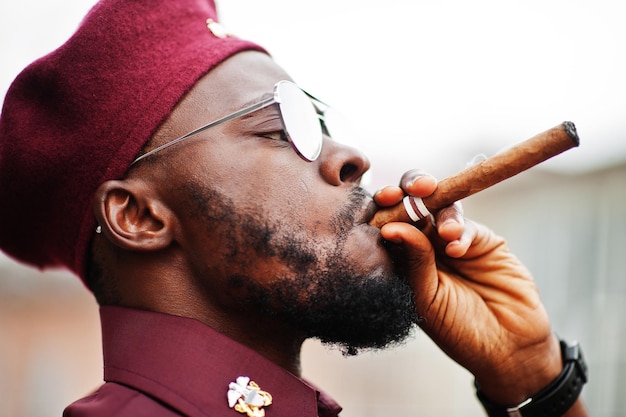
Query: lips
[
  {"x": 368, "y": 212},
  {"x": 368, "y": 206},
  {"x": 360, "y": 208}
]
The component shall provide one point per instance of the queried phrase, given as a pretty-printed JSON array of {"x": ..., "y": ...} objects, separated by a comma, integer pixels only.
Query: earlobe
[{"x": 131, "y": 216}]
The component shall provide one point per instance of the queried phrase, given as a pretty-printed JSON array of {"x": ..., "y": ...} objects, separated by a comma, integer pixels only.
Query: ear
[{"x": 132, "y": 217}]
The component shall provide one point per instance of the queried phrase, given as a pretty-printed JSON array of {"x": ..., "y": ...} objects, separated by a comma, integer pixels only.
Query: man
[{"x": 200, "y": 195}]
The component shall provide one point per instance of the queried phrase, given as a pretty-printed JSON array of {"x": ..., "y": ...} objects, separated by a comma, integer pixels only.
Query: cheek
[
  {"x": 231, "y": 233},
  {"x": 269, "y": 180},
  {"x": 282, "y": 195},
  {"x": 245, "y": 198}
]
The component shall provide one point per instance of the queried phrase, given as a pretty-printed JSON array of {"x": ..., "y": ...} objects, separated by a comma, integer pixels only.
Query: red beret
[{"x": 78, "y": 117}]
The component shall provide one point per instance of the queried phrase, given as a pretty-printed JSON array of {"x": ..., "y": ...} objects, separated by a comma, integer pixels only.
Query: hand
[{"x": 477, "y": 301}]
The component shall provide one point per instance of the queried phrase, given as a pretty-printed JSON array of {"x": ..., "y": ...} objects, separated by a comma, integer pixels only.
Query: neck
[
  {"x": 275, "y": 340},
  {"x": 174, "y": 293}
]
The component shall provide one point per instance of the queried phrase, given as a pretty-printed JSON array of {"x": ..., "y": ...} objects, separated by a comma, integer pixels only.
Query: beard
[
  {"x": 323, "y": 295},
  {"x": 350, "y": 311}
]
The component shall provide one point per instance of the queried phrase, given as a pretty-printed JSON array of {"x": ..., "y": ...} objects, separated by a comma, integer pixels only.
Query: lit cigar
[{"x": 483, "y": 175}]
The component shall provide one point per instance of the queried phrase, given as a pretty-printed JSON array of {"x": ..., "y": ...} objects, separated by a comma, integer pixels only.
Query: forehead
[{"x": 242, "y": 79}]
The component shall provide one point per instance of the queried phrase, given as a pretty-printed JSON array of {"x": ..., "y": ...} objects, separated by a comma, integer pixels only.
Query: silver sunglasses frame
[{"x": 239, "y": 113}]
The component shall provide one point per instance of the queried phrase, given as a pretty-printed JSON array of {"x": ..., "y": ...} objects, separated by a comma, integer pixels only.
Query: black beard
[
  {"x": 352, "y": 312},
  {"x": 323, "y": 297}
]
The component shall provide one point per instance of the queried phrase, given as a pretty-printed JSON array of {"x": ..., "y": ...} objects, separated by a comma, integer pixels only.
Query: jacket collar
[{"x": 189, "y": 366}]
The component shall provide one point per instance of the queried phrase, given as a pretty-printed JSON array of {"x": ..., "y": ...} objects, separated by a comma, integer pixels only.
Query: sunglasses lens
[
  {"x": 301, "y": 121},
  {"x": 338, "y": 127}
]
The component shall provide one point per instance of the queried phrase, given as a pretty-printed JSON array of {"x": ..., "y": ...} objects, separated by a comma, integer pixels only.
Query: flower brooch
[{"x": 246, "y": 397}]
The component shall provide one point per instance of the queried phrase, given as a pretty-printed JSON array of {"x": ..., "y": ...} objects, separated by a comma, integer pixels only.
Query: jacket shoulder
[{"x": 117, "y": 400}]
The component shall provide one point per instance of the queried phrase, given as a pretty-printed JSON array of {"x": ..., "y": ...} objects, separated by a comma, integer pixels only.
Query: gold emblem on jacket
[{"x": 246, "y": 397}]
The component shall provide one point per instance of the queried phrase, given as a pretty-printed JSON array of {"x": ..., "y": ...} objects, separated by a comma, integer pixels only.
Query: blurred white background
[{"x": 429, "y": 85}]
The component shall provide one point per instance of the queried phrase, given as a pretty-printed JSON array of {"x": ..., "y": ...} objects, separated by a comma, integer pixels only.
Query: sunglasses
[{"x": 304, "y": 118}]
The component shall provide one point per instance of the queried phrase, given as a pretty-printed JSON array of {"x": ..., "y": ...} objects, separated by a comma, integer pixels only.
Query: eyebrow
[
  {"x": 263, "y": 99},
  {"x": 253, "y": 102}
]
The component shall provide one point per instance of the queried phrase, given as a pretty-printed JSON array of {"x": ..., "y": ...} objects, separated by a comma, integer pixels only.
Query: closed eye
[
  {"x": 267, "y": 123},
  {"x": 279, "y": 135}
]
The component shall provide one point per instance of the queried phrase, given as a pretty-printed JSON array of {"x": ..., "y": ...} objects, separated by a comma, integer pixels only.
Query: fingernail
[
  {"x": 448, "y": 222},
  {"x": 422, "y": 178}
]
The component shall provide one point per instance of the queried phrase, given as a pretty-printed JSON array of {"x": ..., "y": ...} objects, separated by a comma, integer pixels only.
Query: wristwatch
[{"x": 555, "y": 399}]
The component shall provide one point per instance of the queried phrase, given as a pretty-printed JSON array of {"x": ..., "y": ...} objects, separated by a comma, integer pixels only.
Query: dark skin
[{"x": 167, "y": 255}]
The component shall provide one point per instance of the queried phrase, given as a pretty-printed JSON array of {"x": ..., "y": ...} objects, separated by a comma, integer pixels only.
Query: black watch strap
[{"x": 555, "y": 399}]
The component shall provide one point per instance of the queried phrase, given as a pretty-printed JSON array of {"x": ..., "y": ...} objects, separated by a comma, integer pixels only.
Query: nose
[{"x": 341, "y": 164}]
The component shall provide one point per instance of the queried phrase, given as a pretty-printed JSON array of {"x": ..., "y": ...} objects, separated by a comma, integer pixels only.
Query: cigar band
[{"x": 415, "y": 208}]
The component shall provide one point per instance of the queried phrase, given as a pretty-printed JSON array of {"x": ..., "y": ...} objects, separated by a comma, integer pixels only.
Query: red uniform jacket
[{"x": 158, "y": 365}]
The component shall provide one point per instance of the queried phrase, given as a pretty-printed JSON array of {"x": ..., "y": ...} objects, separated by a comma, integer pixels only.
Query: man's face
[{"x": 268, "y": 233}]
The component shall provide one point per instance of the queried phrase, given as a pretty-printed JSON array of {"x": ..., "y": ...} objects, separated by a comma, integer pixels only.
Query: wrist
[
  {"x": 523, "y": 373},
  {"x": 555, "y": 398}
]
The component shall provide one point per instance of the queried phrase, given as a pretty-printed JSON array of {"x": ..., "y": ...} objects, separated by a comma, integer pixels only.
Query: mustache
[{"x": 354, "y": 211}]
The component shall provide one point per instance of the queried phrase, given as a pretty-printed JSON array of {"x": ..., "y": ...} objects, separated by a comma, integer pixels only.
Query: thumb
[{"x": 417, "y": 260}]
